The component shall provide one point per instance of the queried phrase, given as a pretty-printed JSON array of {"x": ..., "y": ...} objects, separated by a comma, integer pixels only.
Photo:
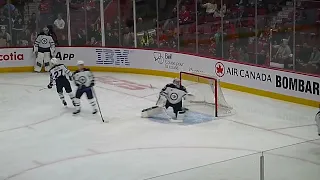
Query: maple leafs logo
[{"x": 219, "y": 69}]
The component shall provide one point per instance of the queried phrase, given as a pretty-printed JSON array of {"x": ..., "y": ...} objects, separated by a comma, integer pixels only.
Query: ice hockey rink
[{"x": 40, "y": 139}]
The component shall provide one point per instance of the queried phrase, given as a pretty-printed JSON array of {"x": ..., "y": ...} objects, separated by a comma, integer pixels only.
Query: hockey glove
[{"x": 49, "y": 86}]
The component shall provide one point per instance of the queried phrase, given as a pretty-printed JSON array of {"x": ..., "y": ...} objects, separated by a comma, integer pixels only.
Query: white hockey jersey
[
  {"x": 173, "y": 93},
  {"x": 44, "y": 43},
  {"x": 58, "y": 72},
  {"x": 83, "y": 78}
]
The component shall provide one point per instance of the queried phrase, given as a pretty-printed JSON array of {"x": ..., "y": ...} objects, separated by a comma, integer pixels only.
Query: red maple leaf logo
[{"x": 219, "y": 69}]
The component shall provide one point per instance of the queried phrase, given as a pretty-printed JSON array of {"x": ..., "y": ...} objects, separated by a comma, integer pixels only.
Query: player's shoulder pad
[
  {"x": 77, "y": 71},
  {"x": 53, "y": 67},
  {"x": 41, "y": 33},
  {"x": 171, "y": 85}
]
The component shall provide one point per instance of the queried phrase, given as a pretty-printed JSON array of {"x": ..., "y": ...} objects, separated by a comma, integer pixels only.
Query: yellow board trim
[{"x": 171, "y": 74}]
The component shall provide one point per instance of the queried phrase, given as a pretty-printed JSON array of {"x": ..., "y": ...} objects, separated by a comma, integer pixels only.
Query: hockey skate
[
  {"x": 64, "y": 103},
  {"x": 76, "y": 112}
]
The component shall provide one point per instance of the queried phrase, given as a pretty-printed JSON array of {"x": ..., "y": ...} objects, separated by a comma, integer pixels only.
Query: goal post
[{"x": 208, "y": 95}]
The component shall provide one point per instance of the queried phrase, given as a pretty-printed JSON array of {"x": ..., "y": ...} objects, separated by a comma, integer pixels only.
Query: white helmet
[
  {"x": 80, "y": 63},
  {"x": 54, "y": 61}
]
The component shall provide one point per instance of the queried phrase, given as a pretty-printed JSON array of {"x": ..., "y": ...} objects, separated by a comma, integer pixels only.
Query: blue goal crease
[{"x": 190, "y": 117}]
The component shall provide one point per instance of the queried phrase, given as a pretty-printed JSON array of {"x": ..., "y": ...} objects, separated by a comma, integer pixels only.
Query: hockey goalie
[
  {"x": 171, "y": 95},
  {"x": 44, "y": 49}
]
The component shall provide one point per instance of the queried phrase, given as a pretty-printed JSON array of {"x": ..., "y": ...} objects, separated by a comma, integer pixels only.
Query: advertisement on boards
[
  {"x": 168, "y": 61},
  {"x": 301, "y": 85},
  {"x": 224, "y": 69},
  {"x": 15, "y": 57},
  {"x": 116, "y": 57}
]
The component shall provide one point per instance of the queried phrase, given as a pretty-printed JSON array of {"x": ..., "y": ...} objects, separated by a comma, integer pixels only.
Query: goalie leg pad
[
  {"x": 39, "y": 62},
  {"x": 149, "y": 112},
  {"x": 180, "y": 116},
  {"x": 46, "y": 60},
  {"x": 161, "y": 100}
]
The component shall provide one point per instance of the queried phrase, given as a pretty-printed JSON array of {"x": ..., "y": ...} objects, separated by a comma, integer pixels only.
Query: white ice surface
[{"x": 41, "y": 140}]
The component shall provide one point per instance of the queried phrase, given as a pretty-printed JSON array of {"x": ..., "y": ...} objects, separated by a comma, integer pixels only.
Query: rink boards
[{"x": 275, "y": 83}]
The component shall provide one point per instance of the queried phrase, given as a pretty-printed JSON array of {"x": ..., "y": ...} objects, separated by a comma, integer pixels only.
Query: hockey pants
[
  {"x": 176, "y": 107},
  {"x": 43, "y": 58}
]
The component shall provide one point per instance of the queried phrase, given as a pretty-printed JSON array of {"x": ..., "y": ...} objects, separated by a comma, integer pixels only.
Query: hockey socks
[
  {"x": 77, "y": 105},
  {"x": 93, "y": 104},
  {"x": 61, "y": 96},
  {"x": 72, "y": 97}
]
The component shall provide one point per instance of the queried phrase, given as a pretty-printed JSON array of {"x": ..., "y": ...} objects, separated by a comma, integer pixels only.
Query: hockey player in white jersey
[
  {"x": 58, "y": 76},
  {"x": 170, "y": 96},
  {"x": 317, "y": 118},
  {"x": 84, "y": 79},
  {"x": 44, "y": 48}
]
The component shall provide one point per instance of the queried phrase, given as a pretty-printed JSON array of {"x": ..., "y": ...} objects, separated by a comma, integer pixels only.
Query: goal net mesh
[{"x": 207, "y": 94}]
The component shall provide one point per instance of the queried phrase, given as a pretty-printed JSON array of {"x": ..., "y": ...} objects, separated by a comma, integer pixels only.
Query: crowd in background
[{"x": 224, "y": 30}]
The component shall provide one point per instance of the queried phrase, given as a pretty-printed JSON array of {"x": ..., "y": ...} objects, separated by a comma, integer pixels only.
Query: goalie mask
[
  {"x": 176, "y": 82},
  {"x": 46, "y": 30}
]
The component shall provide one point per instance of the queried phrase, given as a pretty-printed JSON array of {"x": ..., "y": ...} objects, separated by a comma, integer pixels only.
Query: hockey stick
[
  {"x": 95, "y": 95},
  {"x": 43, "y": 89}
]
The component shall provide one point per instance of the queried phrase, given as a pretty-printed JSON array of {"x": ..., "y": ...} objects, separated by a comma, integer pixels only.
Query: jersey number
[{"x": 57, "y": 74}]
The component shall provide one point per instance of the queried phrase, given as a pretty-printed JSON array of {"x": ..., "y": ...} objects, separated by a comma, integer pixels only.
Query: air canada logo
[
  {"x": 242, "y": 72},
  {"x": 219, "y": 69}
]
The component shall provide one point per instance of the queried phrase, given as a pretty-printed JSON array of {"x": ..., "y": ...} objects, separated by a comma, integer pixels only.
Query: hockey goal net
[{"x": 207, "y": 94}]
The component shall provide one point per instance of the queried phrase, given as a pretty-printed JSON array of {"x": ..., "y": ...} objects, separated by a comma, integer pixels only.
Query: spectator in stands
[
  {"x": 4, "y": 21},
  {"x": 53, "y": 34},
  {"x": 5, "y": 37},
  {"x": 304, "y": 53},
  {"x": 93, "y": 42},
  {"x": 233, "y": 53},
  {"x": 211, "y": 7},
  {"x": 145, "y": 40},
  {"x": 313, "y": 66},
  {"x": 114, "y": 41},
  {"x": 17, "y": 30},
  {"x": 81, "y": 37},
  {"x": 140, "y": 25},
  {"x": 184, "y": 15},
  {"x": 282, "y": 56},
  {"x": 128, "y": 37},
  {"x": 94, "y": 32},
  {"x": 63, "y": 41},
  {"x": 262, "y": 58},
  {"x": 59, "y": 23},
  {"x": 16, "y": 15},
  {"x": 33, "y": 36},
  {"x": 25, "y": 36},
  {"x": 32, "y": 22},
  {"x": 243, "y": 55},
  {"x": 315, "y": 57}
]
